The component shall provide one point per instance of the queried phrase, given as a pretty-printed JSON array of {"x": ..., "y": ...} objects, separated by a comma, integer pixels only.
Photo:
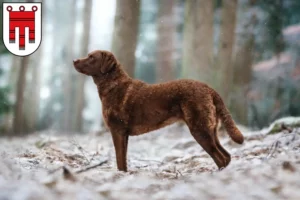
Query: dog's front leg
[{"x": 120, "y": 143}]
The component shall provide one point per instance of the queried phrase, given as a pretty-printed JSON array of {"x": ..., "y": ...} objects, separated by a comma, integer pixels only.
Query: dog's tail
[{"x": 228, "y": 122}]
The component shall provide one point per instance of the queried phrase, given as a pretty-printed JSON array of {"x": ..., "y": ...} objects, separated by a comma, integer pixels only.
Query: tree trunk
[
  {"x": 31, "y": 113},
  {"x": 198, "y": 40},
  {"x": 126, "y": 33},
  {"x": 19, "y": 117},
  {"x": 14, "y": 73},
  {"x": 165, "y": 45},
  {"x": 32, "y": 100},
  {"x": 68, "y": 119},
  {"x": 227, "y": 35},
  {"x": 242, "y": 71},
  {"x": 81, "y": 78},
  {"x": 12, "y": 81},
  {"x": 18, "y": 122},
  {"x": 53, "y": 114}
]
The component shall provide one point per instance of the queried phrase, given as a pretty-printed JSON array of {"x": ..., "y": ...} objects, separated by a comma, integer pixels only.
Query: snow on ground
[{"x": 165, "y": 164}]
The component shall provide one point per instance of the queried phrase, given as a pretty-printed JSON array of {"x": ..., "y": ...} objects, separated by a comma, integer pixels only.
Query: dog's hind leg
[
  {"x": 201, "y": 122},
  {"x": 221, "y": 148},
  {"x": 121, "y": 143}
]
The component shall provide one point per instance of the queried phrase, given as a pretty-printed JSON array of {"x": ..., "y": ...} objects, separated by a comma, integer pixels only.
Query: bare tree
[
  {"x": 32, "y": 97},
  {"x": 68, "y": 119},
  {"x": 165, "y": 44},
  {"x": 198, "y": 40},
  {"x": 243, "y": 60},
  {"x": 81, "y": 78},
  {"x": 227, "y": 33},
  {"x": 13, "y": 77},
  {"x": 18, "y": 122},
  {"x": 126, "y": 32},
  {"x": 31, "y": 112}
]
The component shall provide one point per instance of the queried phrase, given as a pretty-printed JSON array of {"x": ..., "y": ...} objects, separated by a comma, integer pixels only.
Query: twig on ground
[
  {"x": 174, "y": 171},
  {"x": 142, "y": 166},
  {"x": 277, "y": 142},
  {"x": 275, "y": 145},
  {"x": 91, "y": 167},
  {"x": 178, "y": 172},
  {"x": 150, "y": 161},
  {"x": 75, "y": 143}
]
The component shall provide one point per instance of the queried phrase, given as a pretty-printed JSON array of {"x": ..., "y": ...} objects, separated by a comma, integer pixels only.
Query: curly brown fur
[{"x": 132, "y": 107}]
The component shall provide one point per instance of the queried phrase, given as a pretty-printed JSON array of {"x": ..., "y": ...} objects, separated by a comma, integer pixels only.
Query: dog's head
[{"x": 97, "y": 63}]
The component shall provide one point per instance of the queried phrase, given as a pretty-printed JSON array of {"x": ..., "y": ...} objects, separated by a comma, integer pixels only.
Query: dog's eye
[{"x": 91, "y": 57}]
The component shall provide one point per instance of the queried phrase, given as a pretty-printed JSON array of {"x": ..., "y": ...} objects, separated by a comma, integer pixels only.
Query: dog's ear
[{"x": 108, "y": 63}]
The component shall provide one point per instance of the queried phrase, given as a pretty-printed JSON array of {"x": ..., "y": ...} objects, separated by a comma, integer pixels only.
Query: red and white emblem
[{"x": 22, "y": 27}]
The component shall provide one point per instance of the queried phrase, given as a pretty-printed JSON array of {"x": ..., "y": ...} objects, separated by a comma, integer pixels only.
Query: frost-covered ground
[{"x": 165, "y": 164}]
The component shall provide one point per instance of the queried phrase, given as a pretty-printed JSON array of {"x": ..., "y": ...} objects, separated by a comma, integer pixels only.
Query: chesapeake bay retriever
[{"x": 132, "y": 107}]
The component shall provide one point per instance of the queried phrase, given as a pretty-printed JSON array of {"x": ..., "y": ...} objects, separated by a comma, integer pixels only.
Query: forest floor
[{"x": 165, "y": 164}]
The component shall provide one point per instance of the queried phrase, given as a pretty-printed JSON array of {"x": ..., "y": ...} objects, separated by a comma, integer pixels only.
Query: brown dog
[{"x": 132, "y": 107}]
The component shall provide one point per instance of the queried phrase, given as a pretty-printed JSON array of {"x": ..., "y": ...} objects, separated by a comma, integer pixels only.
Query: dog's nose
[{"x": 75, "y": 61}]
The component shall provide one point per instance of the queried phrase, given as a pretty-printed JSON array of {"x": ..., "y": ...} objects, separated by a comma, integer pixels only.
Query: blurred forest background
[{"x": 248, "y": 50}]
